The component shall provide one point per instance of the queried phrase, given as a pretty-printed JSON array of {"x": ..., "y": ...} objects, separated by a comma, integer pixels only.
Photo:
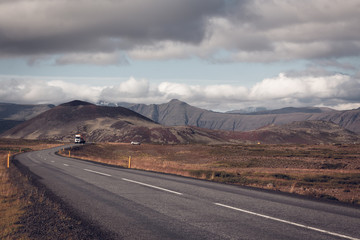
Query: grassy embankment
[
  {"x": 27, "y": 211},
  {"x": 11, "y": 207},
  {"x": 13, "y": 199},
  {"x": 322, "y": 171}
]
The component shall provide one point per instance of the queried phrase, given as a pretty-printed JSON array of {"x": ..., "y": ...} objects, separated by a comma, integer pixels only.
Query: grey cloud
[
  {"x": 37, "y": 27},
  {"x": 93, "y": 59},
  {"x": 255, "y": 30},
  {"x": 335, "y": 63}
]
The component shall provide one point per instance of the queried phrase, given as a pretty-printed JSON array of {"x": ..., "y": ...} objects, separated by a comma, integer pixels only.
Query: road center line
[
  {"x": 288, "y": 222},
  {"x": 152, "y": 186},
  {"x": 66, "y": 165},
  {"x": 105, "y": 174}
]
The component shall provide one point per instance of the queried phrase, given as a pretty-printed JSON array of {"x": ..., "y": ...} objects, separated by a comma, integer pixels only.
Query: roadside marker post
[
  {"x": 69, "y": 154},
  {"x": 8, "y": 160},
  {"x": 129, "y": 162}
]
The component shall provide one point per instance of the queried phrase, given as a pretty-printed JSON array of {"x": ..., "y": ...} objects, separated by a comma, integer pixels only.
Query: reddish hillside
[{"x": 303, "y": 132}]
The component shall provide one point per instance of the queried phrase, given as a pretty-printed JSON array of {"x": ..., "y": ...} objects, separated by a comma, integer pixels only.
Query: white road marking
[
  {"x": 288, "y": 222},
  {"x": 105, "y": 174},
  {"x": 52, "y": 161},
  {"x": 66, "y": 165},
  {"x": 152, "y": 186}
]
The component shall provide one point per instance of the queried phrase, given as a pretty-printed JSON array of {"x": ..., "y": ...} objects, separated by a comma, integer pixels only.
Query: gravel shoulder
[{"x": 45, "y": 215}]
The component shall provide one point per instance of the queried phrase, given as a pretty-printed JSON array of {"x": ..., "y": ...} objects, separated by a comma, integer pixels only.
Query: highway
[{"x": 136, "y": 204}]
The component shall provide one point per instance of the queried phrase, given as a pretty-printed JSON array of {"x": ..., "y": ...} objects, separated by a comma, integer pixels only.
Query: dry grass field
[
  {"x": 323, "y": 171},
  {"x": 13, "y": 199},
  {"x": 11, "y": 207},
  {"x": 28, "y": 211}
]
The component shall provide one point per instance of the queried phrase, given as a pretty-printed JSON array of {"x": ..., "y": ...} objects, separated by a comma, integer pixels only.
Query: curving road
[{"x": 144, "y": 205}]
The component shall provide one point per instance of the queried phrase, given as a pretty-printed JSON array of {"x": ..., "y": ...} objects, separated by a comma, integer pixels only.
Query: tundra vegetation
[{"x": 323, "y": 171}]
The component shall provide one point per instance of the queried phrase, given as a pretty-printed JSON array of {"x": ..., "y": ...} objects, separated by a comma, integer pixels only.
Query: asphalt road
[{"x": 144, "y": 205}]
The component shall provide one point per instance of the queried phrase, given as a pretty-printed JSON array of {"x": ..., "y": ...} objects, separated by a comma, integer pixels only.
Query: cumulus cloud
[
  {"x": 125, "y": 91},
  {"x": 283, "y": 86},
  {"x": 29, "y": 91},
  {"x": 335, "y": 90},
  {"x": 93, "y": 32}
]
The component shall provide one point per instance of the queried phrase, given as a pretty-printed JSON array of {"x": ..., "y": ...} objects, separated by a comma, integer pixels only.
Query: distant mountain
[
  {"x": 118, "y": 124},
  {"x": 174, "y": 113},
  {"x": 14, "y": 114},
  {"x": 248, "y": 110},
  {"x": 288, "y": 110},
  {"x": 178, "y": 113}
]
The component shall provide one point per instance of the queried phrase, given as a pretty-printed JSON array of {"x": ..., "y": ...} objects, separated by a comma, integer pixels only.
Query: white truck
[{"x": 79, "y": 139}]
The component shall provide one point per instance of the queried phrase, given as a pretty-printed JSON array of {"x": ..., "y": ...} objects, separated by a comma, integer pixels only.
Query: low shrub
[
  {"x": 282, "y": 176},
  {"x": 322, "y": 178},
  {"x": 328, "y": 197},
  {"x": 333, "y": 166}
]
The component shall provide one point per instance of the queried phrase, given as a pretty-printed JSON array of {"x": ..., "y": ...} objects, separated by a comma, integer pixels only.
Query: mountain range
[
  {"x": 119, "y": 124},
  {"x": 178, "y": 113}
]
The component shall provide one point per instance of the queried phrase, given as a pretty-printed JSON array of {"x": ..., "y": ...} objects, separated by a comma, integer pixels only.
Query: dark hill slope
[
  {"x": 14, "y": 114},
  {"x": 349, "y": 119}
]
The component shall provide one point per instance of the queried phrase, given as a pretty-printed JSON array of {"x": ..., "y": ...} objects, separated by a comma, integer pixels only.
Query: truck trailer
[{"x": 79, "y": 139}]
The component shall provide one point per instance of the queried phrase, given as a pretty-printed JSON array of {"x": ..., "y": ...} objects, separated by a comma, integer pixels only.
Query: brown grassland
[
  {"x": 13, "y": 199},
  {"x": 323, "y": 171}
]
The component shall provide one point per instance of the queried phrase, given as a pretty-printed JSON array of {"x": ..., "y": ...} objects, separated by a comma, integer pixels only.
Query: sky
[{"x": 218, "y": 55}]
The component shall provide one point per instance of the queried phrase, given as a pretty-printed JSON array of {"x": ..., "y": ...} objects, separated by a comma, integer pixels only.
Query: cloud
[
  {"x": 56, "y": 27},
  {"x": 29, "y": 91},
  {"x": 93, "y": 32},
  {"x": 297, "y": 90},
  {"x": 92, "y": 59},
  {"x": 300, "y": 88},
  {"x": 126, "y": 91},
  {"x": 71, "y": 91}
]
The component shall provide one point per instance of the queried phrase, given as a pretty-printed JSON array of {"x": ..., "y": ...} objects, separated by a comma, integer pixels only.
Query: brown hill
[
  {"x": 97, "y": 123},
  {"x": 303, "y": 132}
]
